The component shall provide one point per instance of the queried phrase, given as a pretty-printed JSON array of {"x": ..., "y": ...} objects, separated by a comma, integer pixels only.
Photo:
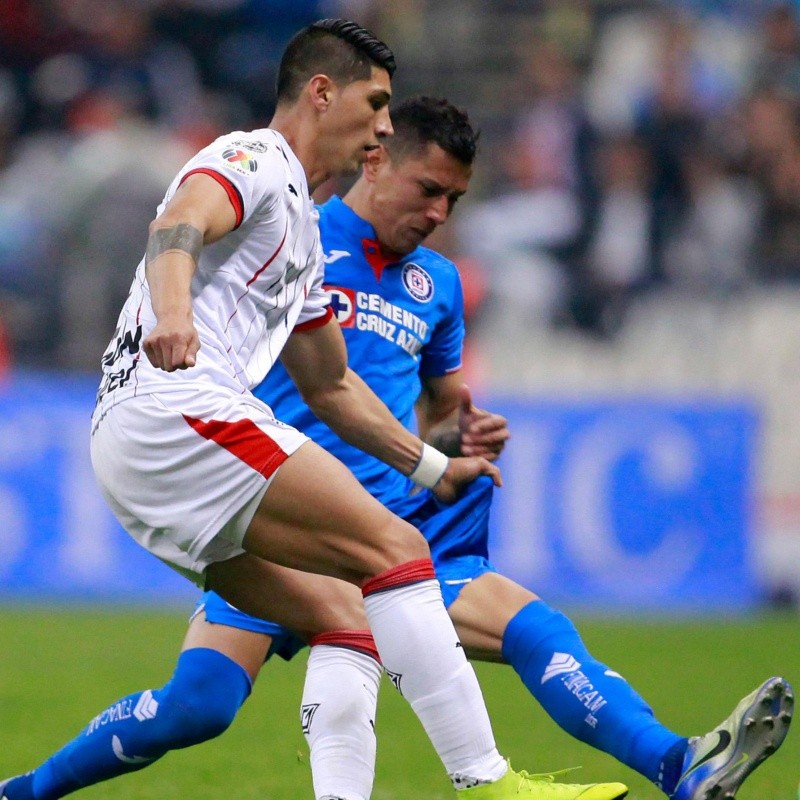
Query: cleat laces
[{"x": 527, "y": 779}]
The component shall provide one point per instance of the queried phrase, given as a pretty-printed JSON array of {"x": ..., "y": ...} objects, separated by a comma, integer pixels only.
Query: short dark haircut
[
  {"x": 341, "y": 49},
  {"x": 419, "y": 121}
]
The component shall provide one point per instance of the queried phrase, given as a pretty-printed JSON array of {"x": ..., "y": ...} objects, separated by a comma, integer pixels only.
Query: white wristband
[{"x": 431, "y": 466}]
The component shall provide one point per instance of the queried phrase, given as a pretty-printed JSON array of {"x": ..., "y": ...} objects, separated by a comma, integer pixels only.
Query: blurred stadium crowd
[{"x": 628, "y": 148}]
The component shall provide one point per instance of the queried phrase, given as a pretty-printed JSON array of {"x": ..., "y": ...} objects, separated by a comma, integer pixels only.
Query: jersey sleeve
[
  {"x": 442, "y": 354},
  {"x": 247, "y": 168},
  {"x": 316, "y": 309}
]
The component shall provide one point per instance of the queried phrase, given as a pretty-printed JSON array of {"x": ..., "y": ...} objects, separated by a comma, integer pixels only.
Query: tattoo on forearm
[{"x": 182, "y": 238}]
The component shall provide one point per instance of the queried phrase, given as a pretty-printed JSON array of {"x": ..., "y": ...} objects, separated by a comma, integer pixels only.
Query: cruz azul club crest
[
  {"x": 417, "y": 282},
  {"x": 343, "y": 305}
]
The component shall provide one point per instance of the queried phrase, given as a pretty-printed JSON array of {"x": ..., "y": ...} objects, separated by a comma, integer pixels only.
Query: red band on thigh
[
  {"x": 351, "y": 640},
  {"x": 245, "y": 440},
  {"x": 415, "y": 571}
]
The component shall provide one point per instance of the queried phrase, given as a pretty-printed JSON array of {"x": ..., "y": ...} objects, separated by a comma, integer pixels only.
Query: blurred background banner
[
  {"x": 629, "y": 505},
  {"x": 621, "y": 504},
  {"x": 59, "y": 541}
]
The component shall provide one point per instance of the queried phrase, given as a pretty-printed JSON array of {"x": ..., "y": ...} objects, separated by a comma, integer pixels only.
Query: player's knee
[
  {"x": 205, "y": 716},
  {"x": 403, "y": 543},
  {"x": 343, "y": 713},
  {"x": 202, "y": 698}
]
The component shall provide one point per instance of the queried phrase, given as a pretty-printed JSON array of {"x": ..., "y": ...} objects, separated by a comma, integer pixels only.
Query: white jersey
[{"x": 250, "y": 289}]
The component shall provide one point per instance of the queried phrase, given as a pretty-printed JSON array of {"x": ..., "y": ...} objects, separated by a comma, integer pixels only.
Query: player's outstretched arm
[{"x": 316, "y": 359}]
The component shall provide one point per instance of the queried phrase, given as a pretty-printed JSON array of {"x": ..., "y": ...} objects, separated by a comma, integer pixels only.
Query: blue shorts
[{"x": 457, "y": 533}]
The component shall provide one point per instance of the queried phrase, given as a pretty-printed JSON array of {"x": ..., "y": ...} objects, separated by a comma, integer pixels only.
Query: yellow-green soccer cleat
[
  {"x": 716, "y": 765},
  {"x": 541, "y": 787}
]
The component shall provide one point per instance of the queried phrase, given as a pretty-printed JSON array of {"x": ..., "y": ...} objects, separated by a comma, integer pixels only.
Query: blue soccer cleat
[
  {"x": 3, "y": 785},
  {"x": 17, "y": 783},
  {"x": 717, "y": 764}
]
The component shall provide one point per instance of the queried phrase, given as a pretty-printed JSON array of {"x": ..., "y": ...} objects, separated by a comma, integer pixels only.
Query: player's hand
[
  {"x": 172, "y": 344},
  {"x": 482, "y": 432},
  {"x": 461, "y": 471}
]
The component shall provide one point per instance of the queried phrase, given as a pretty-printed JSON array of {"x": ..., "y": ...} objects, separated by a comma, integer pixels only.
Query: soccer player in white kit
[{"x": 200, "y": 472}]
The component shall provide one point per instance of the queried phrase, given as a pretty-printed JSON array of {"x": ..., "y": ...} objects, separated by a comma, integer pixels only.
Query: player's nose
[
  {"x": 383, "y": 124},
  {"x": 438, "y": 210}
]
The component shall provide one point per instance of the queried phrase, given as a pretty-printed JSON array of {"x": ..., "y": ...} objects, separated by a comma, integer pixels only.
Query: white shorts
[{"x": 184, "y": 472}]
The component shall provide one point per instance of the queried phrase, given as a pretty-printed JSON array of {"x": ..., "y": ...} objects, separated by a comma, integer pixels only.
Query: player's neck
[
  {"x": 359, "y": 200},
  {"x": 302, "y": 138}
]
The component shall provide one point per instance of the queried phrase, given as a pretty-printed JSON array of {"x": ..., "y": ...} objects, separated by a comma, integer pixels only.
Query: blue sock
[
  {"x": 199, "y": 702},
  {"x": 586, "y": 698}
]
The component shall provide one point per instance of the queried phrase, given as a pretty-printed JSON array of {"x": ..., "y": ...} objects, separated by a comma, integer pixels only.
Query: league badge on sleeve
[
  {"x": 240, "y": 160},
  {"x": 343, "y": 305},
  {"x": 417, "y": 282}
]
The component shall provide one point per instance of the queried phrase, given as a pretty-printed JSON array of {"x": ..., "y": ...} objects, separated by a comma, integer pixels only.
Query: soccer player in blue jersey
[{"x": 400, "y": 308}]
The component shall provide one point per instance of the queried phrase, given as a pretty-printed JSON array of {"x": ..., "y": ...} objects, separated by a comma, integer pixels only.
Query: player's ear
[
  {"x": 375, "y": 159},
  {"x": 320, "y": 90}
]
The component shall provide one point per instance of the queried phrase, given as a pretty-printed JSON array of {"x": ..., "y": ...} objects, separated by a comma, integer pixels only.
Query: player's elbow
[{"x": 325, "y": 401}]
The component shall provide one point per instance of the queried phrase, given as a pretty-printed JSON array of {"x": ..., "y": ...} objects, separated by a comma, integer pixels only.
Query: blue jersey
[{"x": 402, "y": 320}]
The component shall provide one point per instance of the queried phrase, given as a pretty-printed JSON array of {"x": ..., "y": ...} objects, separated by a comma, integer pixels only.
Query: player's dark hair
[
  {"x": 338, "y": 48},
  {"x": 421, "y": 120}
]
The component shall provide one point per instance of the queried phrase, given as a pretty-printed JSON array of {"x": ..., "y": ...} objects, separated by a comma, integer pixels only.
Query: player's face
[
  {"x": 358, "y": 118},
  {"x": 412, "y": 197}
]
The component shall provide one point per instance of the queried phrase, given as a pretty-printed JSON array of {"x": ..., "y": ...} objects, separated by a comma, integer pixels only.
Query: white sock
[
  {"x": 425, "y": 660},
  {"x": 340, "y": 697}
]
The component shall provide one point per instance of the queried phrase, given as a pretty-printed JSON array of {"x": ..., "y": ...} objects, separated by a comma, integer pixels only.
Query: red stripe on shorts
[
  {"x": 245, "y": 440},
  {"x": 415, "y": 571},
  {"x": 361, "y": 641}
]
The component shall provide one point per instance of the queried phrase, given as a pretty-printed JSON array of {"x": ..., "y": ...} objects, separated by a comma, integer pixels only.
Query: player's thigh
[
  {"x": 305, "y": 603},
  {"x": 316, "y": 516},
  {"x": 247, "y": 648},
  {"x": 483, "y": 609}
]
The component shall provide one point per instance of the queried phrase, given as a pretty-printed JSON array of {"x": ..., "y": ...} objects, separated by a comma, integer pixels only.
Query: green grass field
[{"x": 59, "y": 667}]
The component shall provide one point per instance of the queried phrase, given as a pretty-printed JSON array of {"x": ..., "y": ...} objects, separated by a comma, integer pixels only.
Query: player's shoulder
[
  {"x": 433, "y": 260},
  {"x": 245, "y": 153},
  {"x": 259, "y": 141},
  {"x": 332, "y": 209},
  {"x": 340, "y": 226}
]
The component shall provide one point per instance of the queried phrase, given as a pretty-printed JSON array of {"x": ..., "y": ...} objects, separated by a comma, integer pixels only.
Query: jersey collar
[{"x": 362, "y": 231}]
